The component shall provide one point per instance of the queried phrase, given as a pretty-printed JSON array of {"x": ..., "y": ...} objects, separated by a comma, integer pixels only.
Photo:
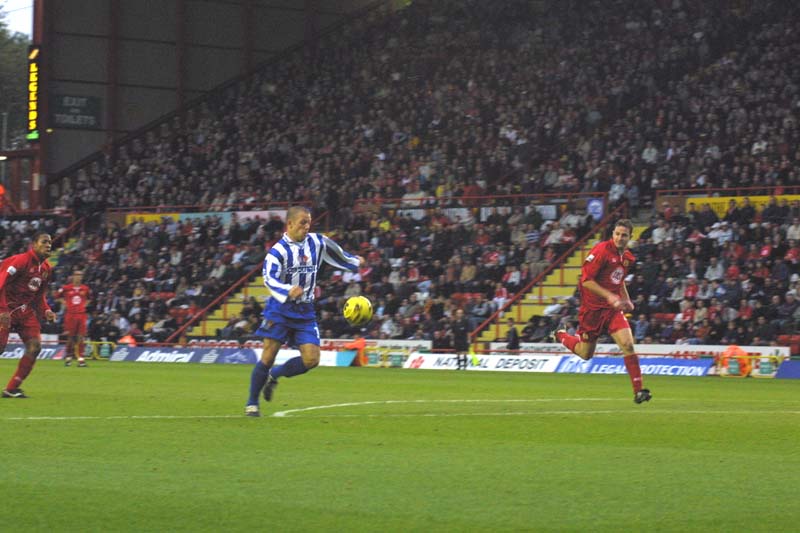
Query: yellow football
[{"x": 357, "y": 310}]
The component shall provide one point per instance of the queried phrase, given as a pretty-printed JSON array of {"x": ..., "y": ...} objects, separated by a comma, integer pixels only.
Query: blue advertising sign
[
  {"x": 16, "y": 350},
  {"x": 789, "y": 370},
  {"x": 594, "y": 206},
  {"x": 162, "y": 355},
  {"x": 241, "y": 356},
  {"x": 662, "y": 366}
]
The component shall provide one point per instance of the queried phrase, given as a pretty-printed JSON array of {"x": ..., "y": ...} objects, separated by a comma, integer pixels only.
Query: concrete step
[{"x": 230, "y": 308}]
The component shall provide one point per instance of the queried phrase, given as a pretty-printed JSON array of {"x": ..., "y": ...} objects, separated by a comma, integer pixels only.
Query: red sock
[
  {"x": 569, "y": 341},
  {"x": 81, "y": 348},
  {"x": 632, "y": 365},
  {"x": 69, "y": 350},
  {"x": 23, "y": 369}
]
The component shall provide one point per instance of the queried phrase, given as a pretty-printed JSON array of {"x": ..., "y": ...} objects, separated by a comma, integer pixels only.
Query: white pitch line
[
  {"x": 120, "y": 417},
  {"x": 538, "y": 413},
  {"x": 290, "y": 412},
  {"x": 280, "y": 414}
]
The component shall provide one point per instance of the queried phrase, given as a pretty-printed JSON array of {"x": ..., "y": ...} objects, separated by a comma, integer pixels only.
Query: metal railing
[{"x": 178, "y": 333}]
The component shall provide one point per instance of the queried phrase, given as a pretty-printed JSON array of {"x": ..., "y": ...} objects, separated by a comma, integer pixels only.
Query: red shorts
[
  {"x": 26, "y": 325},
  {"x": 593, "y": 323},
  {"x": 75, "y": 325}
]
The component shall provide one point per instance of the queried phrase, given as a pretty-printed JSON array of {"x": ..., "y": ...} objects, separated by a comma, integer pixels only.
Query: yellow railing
[
  {"x": 742, "y": 366},
  {"x": 99, "y": 350}
]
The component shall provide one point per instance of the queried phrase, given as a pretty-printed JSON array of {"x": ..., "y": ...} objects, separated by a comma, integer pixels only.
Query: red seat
[
  {"x": 664, "y": 317},
  {"x": 792, "y": 341}
]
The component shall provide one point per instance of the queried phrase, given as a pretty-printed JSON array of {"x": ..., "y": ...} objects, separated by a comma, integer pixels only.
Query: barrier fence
[{"x": 670, "y": 360}]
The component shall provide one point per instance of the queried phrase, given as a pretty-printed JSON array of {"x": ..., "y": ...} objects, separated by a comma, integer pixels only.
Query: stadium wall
[{"x": 767, "y": 362}]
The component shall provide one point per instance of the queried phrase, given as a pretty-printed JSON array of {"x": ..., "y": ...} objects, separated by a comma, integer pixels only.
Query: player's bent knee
[
  {"x": 627, "y": 348},
  {"x": 311, "y": 360},
  {"x": 270, "y": 351},
  {"x": 32, "y": 348},
  {"x": 585, "y": 351}
]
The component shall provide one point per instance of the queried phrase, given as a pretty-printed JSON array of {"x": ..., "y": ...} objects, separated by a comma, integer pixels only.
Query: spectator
[{"x": 512, "y": 336}]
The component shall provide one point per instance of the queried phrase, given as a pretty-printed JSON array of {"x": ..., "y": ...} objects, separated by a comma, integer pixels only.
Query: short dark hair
[
  {"x": 625, "y": 223},
  {"x": 38, "y": 235}
]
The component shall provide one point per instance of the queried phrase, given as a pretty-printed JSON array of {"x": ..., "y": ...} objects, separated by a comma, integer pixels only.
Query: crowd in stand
[
  {"x": 447, "y": 99},
  {"x": 147, "y": 278},
  {"x": 732, "y": 123},
  {"x": 419, "y": 270},
  {"x": 460, "y": 99},
  {"x": 704, "y": 279}
]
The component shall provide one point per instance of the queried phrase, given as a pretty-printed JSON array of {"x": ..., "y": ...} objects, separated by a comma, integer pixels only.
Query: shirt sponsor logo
[
  {"x": 307, "y": 269},
  {"x": 35, "y": 284},
  {"x": 618, "y": 275}
]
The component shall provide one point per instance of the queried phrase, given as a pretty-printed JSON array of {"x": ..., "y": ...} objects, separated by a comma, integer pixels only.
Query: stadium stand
[{"x": 464, "y": 101}]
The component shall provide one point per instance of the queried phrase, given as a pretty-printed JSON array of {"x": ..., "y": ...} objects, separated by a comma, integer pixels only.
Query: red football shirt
[
  {"x": 23, "y": 283},
  {"x": 608, "y": 268},
  {"x": 75, "y": 297}
]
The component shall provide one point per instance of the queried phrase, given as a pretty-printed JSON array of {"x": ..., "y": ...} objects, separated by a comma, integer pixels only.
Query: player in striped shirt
[{"x": 290, "y": 272}]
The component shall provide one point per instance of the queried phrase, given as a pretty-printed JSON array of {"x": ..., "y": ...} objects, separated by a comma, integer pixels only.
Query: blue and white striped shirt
[{"x": 291, "y": 263}]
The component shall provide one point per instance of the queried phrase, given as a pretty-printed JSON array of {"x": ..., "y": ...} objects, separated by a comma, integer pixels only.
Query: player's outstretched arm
[{"x": 335, "y": 255}]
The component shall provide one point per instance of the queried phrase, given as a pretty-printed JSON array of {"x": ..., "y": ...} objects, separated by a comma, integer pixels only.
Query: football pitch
[{"x": 165, "y": 447}]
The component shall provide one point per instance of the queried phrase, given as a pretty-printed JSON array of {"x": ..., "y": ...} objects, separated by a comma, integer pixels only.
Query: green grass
[{"x": 416, "y": 451}]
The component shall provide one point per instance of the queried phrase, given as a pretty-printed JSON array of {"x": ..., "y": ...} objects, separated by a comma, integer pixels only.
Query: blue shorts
[{"x": 291, "y": 330}]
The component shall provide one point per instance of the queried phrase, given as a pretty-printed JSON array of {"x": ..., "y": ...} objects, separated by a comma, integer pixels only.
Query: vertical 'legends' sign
[{"x": 34, "y": 61}]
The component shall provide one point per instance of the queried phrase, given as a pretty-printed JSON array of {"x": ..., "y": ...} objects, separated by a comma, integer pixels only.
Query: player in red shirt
[
  {"x": 23, "y": 286},
  {"x": 75, "y": 296},
  {"x": 604, "y": 300}
]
